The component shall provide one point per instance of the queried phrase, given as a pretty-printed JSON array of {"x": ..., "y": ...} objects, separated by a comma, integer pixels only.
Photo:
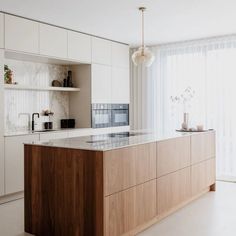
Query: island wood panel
[
  {"x": 63, "y": 192},
  {"x": 172, "y": 155},
  {"x": 202, "y": 147},
  {"x": 173, "y": 189},
  {"x": 202, "y": 175},
  {"x": 128, "y": 209},
  {"x": 127, "y": 167}
]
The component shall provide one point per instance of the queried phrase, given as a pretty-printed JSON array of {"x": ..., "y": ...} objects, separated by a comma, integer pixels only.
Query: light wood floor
[{"x": 214, "y": 214}]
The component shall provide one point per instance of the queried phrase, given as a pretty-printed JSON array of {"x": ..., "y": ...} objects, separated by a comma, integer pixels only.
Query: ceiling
[{"x": 119, "y": 20}]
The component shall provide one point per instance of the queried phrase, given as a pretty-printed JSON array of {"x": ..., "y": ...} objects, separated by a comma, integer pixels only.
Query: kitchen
[{"x": 106, "y": 134}]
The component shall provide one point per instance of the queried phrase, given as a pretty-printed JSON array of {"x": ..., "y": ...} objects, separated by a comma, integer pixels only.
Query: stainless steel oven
[
  {"x": 119, "y": 114},
  {"x": 101, "y": 115}
]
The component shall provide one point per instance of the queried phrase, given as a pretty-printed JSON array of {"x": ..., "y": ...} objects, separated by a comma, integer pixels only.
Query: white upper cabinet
[
  {"x": 101, "y": 51},
  {"x": 21, "y": 34},
  {"x": 79, "y": 47},
  {"x": 53, "y": 41},
  {"x": 1, "y": 30},
  {"x": 120, "y": 85},
  {"x": 101, "y": 84},
  {"x": 120, "y": 55}
]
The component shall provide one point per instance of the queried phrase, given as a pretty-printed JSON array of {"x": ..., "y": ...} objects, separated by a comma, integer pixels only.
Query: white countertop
[
  {"x": 104, "y": 142},
  {"x": 29, "y": 132}
]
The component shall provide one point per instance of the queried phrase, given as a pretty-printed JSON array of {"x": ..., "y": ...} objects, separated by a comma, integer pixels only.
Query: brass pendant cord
[{"x": 142, "y": 9}]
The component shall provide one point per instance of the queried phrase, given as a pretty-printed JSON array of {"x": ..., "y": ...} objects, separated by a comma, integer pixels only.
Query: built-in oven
[
  {"x": 119, "y": 114},
  {"x": 101, "y": 115}
]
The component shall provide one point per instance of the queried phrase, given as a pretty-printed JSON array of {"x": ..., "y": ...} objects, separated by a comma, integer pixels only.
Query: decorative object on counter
[
  {"x": 48, "y": 125},
  {"x": 191, "y": 130},
  {"x": 67, "y": 123},
  {"x": 8, "y": 75},
  {"x": 56, "y": 83},
  {"x": 68, "y": 81},
  {"x": 184, "y": 99},
  {"x": 47, "y": 113},
  {"x": 185, "y": 122},
  {"x": 200, "y": 127}
]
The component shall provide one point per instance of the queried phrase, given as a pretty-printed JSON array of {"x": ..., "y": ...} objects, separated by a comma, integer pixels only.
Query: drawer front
[
  {"x": 172, "y": 155},
  {"x": 202, "y": 146},
  {"x": 202, "y": 175},
  {"x": 172, "y": 190},
  {"x": 127, "y": 167},
  {"x": 125, "y": 210}
]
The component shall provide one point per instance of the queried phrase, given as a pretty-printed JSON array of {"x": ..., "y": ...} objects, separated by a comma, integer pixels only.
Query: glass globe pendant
[{"x": 143, "y": 56}]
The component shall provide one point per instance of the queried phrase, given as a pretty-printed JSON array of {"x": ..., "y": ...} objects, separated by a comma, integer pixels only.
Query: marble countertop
[
  {"x": 29, "y": 132},
  {"x": 111, "y": 141}
]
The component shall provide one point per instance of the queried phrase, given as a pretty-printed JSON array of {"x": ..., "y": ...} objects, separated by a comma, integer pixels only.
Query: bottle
[{"x": 69, "y": 79}]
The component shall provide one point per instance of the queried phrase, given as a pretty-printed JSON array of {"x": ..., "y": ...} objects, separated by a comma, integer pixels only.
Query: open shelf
[{"x": 24, "y": 87}]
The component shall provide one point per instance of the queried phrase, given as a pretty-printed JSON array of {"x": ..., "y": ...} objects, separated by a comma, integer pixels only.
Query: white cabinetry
[
  {"x": 1, "y": 124},
  {"x": 1, "y": 30},
  {"x": 101, "y": 51},
  {"x": 120, "y": 55},
  {"x": 14, "y": 162},
  {"x": 79, "y": 47},
  {"x": 53, "y": 41},
  {"x": 120, "y": 85},
  {"x": 101, "y": 84},
  {"x": 53, "y": 135},
  {"x": 21, "y": 34}
]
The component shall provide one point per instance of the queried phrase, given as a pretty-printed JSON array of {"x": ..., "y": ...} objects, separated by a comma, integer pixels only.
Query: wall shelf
[{"x": 24, "y": 87}]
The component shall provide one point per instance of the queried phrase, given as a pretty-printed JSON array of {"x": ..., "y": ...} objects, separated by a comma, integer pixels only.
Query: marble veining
[
  {"x": 107, "y": 142},
  {"x": 20, "y": 104}
]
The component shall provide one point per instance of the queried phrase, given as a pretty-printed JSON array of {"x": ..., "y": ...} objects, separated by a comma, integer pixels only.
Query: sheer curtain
[{"x": 208, "y": 67}]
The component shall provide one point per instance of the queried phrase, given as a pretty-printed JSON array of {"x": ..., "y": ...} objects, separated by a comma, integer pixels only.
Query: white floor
[{"x": 214, "y": 214}]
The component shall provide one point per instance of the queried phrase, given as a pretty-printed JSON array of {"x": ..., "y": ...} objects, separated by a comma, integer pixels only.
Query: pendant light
[{"x": 143, "y": 56}]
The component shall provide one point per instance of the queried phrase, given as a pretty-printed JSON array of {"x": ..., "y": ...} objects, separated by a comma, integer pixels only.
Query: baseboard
[{"x": 11, "y": 197}]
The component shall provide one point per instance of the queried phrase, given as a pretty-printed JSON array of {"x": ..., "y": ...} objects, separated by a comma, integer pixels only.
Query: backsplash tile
[{"x": 20, "y": 104}]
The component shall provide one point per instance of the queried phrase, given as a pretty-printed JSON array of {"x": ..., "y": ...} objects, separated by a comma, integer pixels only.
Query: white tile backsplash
[{"x": 20, "y": 104}]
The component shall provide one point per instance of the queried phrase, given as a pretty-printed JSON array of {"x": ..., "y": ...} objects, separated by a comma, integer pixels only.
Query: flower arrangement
[{"x": 184, "y": 98}]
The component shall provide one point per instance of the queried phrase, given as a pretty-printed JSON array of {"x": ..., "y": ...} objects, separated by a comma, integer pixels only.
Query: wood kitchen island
[{"x": 112, "y": 185}]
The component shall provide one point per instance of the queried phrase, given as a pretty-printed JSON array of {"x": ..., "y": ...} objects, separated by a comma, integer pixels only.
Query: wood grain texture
[
  {"x": 203, "y": 175},
  {"x": 172, "y": 155},
  {"x": 63, "y": 192},
  {"x": 127, "y": 167},
  {"x": 128, "y": 209},
  {"x": 173, "y": 189},
  {"x": 202, "y": 147}
]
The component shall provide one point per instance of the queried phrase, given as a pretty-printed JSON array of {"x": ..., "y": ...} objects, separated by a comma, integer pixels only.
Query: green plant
[{"x": 7, "y": 75}]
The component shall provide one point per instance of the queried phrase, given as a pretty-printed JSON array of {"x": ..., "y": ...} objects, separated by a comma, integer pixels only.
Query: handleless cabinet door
[
  {"x": 101, "y": 84},
  {"x": 53, "y": 41},
  {"x": 101, "y": 51},
  {"x": 120, "y": 55},
  {"x": 202, "y": 146},
  {"x": 120, "y": 85},
  {"x": 1, "y": 30},
  {"x": 173, "y": 189},
  {"x": 1, "y": 124},
  {"x": 172, "y": 155},
  {"x": 79, "y": 47},
  {"x": 21, "y": 34},
  {"x": 130, "y": 208},
  {"x": 14, "y": 162},
  {"x": 127, "y": 167}
]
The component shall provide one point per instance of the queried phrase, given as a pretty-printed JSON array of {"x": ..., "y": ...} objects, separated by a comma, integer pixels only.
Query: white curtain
[{"x": 208, "y": 67}]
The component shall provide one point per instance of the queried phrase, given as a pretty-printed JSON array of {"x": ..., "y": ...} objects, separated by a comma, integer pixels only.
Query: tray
[{"x": 195, "y": 131}]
